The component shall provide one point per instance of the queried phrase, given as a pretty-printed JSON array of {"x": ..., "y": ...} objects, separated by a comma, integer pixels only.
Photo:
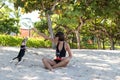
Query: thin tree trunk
[
  {"x": 78, "y": 39},
  {"x": 52, "y": 8},
  {"x": 103, "y": 43},
  {"x": 50, "y": 28},
  {"x": 112, "y": 44},
  {"x": 99, "y": 43},
  {"x": 77, "y": 32}
]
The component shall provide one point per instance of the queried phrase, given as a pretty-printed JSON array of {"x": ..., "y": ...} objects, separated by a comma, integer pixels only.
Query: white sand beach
[{"x": 85, "y": 65}]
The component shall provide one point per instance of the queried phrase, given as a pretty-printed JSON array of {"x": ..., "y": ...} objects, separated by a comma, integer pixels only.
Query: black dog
[{"x": 22, "y": 51}]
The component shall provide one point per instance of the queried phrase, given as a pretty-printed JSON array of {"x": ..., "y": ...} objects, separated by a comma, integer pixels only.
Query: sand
[{"x": 85, "y": 65}]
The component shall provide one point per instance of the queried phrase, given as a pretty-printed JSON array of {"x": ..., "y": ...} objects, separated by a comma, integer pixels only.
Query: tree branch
[
  {"x": 55, "y": 3},
  {"x": 2, "y": 5},
  {"x": 43, "y": 5},
  {"x": 81, "y": 24}
]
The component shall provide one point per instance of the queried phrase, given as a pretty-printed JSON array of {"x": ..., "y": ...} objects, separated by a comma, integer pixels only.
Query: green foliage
[
  {"x": 73, "y": 45},
  {"x": 4, "y": 11},
  {"x": 37, "y": 43},
  {"x": 8, "y": 21},
  {"x": 7, "y": 40},
  {"x": 8, "y": 25},
  {"x": 100, "y": 8},
  {"x": 85, "y": 44},
  {"x": 88, "y": 46},
  {"x": 41, "y": 26},
  {"x": 95, "y": 15},
  {"x": 27, "y": 5}
]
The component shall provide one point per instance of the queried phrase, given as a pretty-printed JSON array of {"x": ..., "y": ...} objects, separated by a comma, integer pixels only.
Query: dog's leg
[
  {"x": 19, "y": 60},
  {"x": 13, "y": 59}
]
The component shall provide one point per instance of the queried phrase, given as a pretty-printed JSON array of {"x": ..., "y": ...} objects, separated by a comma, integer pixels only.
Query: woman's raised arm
[{"x": 43, "y": 35}]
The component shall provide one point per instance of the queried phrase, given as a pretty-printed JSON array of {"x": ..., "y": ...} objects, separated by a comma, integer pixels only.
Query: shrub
[{"x": 7, "y": 40}]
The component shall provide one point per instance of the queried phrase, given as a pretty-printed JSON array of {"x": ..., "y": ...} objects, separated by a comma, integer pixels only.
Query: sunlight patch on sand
[
  {"x": 6, "y": 68},
  {"x": 30, "y": 78}
]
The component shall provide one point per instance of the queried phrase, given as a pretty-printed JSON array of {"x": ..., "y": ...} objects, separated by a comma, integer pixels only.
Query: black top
[{"x": 61, "y": 53}]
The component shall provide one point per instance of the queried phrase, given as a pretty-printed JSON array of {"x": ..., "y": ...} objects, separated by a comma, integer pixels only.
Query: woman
[{"x": 60, "y": 59}]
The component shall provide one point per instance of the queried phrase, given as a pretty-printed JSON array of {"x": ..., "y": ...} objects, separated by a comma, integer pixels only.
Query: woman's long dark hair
[{"x": 60, "y": 35}]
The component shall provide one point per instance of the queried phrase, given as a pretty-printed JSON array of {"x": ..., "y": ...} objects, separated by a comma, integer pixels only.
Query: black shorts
[{"x": 57, "y": 61}]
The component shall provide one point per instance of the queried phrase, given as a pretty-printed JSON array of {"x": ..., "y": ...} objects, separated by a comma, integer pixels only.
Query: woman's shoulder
[{"x": 66, "y": 44}]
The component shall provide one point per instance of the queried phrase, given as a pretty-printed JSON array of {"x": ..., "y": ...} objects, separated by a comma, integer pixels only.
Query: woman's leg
[
  {"x": 48, "y": 63},
  {"x": 63, "y": 63}
]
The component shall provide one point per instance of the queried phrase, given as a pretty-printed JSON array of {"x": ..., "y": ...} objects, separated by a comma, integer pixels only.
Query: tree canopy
[{"x": 96, "y": 19}]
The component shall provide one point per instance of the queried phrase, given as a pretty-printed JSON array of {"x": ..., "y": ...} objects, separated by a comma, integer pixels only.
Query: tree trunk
[
  {"x": 78, "y": 39},
  {"x": 50, "y": 28},
  {"x": 78, "y": 30},
  {"x": 112, "y": 43},
  {"x": 103, "y": 43},
  {"x": 51, "y": 9},
  {"x": 99, "y": 43}
]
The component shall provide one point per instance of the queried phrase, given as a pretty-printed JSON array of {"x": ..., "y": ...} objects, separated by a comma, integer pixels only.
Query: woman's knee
[
  {"x": 66, "y": 60},
  {"x": 44, "y": 59}
]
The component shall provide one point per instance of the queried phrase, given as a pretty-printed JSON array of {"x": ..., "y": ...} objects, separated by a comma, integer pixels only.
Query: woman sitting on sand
[{"x": 60, "y": 59}]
